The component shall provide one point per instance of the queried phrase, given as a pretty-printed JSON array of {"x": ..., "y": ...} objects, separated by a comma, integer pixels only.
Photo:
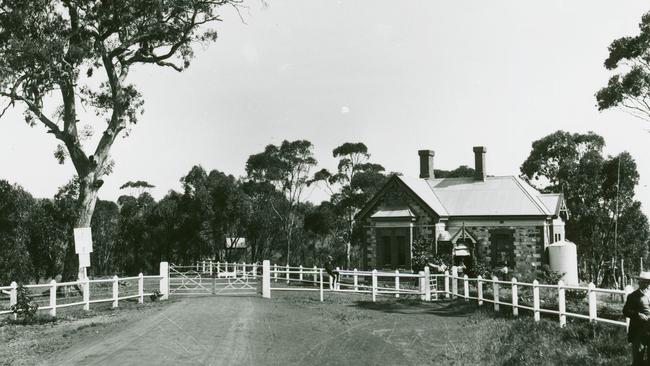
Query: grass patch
[{"x": 501, "y": 339}]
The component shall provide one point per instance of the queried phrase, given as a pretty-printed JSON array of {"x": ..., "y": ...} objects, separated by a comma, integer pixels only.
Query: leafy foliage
[
  {"x": 631, "y": 88},
  {"x": 25, "y": 307},
  {"x": 421, "y": 253},
  {"x": 351, "y": 187},
  {"x": 81, "y": 52},
  {"x": 287, "y": 168},
  {"x": 573, "y": 164}
]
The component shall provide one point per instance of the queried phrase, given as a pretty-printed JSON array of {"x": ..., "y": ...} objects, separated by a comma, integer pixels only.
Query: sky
[{"x": 398, "y": 76}]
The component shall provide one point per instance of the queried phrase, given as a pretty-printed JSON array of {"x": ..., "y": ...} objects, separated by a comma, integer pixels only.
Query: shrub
[
  {"x": 421, "y": 253},
  {"x": 25, "y": 307},
  {"x": 546, "y": 275},
  {"x": 155, "y": 296},
  {"x": 478, "y": 268}
]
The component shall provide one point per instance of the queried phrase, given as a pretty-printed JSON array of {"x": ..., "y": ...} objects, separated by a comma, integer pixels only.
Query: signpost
[{"x": 83, "y": 246}]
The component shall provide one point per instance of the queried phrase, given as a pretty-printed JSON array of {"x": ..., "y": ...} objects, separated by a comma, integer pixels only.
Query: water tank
[{"x": 563, "y": 258}]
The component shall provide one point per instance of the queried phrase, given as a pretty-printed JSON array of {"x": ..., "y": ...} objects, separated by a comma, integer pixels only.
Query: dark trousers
[{"x": 640, "y": 354}]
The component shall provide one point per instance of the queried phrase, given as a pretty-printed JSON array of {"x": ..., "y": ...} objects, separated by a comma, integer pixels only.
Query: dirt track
[{"x": 287, "y": 330}]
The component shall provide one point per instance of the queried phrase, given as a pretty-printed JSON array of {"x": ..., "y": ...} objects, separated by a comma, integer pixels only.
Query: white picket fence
[
  {"x": 101, "y": 294},
  {"x": 370, "y": 282},
  {"x": 433, "y": 286},
  {"x": 515, "y": 287}
]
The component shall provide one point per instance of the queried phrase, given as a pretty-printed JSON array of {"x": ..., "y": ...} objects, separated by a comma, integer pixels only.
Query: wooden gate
[{"x": 234, "y": 280}]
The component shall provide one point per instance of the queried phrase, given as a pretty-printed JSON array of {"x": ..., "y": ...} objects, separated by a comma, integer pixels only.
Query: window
[{"x": 502, "y": 248}]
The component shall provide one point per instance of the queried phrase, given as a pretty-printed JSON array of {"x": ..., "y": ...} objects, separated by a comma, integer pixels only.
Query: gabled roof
[
  {"x": 553, "y": 201},
  {"x": 496, "y": 196}
]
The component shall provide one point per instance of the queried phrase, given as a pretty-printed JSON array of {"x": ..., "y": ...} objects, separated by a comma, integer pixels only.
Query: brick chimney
[
  {"x": 479, "y": 163},
  {"x": 426, "y": 163}
]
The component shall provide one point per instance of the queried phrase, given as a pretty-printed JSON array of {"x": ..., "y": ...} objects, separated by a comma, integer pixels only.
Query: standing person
[
  {"x": 334, "y": 274},
  {"x": 637, "y": 308}
]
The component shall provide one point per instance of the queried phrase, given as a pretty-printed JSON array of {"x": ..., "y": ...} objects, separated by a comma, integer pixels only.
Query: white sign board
[
  {"x": 83, "y": 240},
  {"x": 84, "y": 260}
]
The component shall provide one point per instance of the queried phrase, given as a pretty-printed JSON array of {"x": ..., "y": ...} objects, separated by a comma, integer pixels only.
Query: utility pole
[{"x": 618, "y": 185}]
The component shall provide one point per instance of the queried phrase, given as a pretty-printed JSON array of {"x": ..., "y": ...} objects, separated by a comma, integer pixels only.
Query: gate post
[
  {"x": 13, "y": 297},
  {"x": 266, "y": 279},
  {"x": 164, "y": 280},
  {"x": 140, "y": 288}
]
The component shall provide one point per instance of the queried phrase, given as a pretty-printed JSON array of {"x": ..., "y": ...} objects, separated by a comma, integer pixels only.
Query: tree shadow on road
[{"x": 444, "y": 308}]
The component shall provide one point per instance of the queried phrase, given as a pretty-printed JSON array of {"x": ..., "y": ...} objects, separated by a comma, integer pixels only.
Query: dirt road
[{"x": 286, "y": 330}]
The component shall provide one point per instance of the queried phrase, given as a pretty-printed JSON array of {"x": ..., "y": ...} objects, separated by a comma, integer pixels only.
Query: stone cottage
[{"x": 501, "y": 220}]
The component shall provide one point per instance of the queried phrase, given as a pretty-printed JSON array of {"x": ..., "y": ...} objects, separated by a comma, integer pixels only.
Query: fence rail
[
  {"x": 92, "y": 291},
  {"x": 432, "y": 286}
]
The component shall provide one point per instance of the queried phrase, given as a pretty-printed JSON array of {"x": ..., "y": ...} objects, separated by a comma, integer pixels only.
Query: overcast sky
[{"x": 398, "y": 76}]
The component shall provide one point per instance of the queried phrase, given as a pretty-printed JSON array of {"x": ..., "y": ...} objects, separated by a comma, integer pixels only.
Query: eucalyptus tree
[
  {"x": 287, "y": 168},
  {"x": 79, "y": 54},
  {"x": 630, "y": 89},
  {"x": 605, "y": 220},
  {"x": 351, "y": 187}
]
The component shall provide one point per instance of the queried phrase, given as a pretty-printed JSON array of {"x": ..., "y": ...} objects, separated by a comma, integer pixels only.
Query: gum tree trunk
[{"x": 88, "y": 188}]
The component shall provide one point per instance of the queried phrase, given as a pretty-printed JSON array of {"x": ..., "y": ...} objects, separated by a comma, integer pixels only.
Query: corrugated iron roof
[
  {"x": 552, "y": 201},
  {"x": 496, "y": 196}
]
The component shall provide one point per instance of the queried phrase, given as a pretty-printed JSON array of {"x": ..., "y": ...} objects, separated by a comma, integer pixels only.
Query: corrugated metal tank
[{"x": 563, "y": 258}]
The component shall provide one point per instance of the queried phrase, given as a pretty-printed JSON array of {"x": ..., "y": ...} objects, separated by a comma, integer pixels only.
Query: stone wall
[
  {"x": 528, "y": 244},
  {"x": 396, "y": 196}
]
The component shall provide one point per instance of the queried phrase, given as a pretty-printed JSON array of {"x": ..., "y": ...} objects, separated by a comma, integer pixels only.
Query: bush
[
  {"x": 155, "y": 296},
  {"x": 25, "y": 308},
  {"x": 478, "y": 268},
  {"x": 421, "y": 253}
]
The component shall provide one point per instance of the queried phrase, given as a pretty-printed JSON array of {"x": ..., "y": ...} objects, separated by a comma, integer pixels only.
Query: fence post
[
  {"x": 86, "y": 292},
  {"x": 266, "y": 279},
  {"x": 140, "y": 288},
  {"x": 116, "y": 289},
  {"x": 628, "y": 290},
  {"x": 164, "y": 280},
  {"x": 321, "y": 285},
  {"x": 300, "y": 273},
  {"x": 331, "y": 281},
  {"x": 561, "y": 305},
  {"x": 210, "y": 268},
  {"x": 454, "y": 282},
  {"x": 287, "y": 273},
  {"x": 479, "y": 289},
  {"x": 13, "y": 296},
  {"x": 337, "y": 285},
  {"x": 53, "y": 298},
  {"x": 275, "y": 273},
  {"x": 355, "y": 279},
  {"x": 374, "y": 285},
  {"x": 427, "y": 283},
  {"x": 466, "y": 288},
  {"x": 218, "y": 267},
  {"x": 255, "y": 270},
  {"x": 591, "y": 294},
  {"x": 397, "y": 284},
  {"x": 447, "y": 284},
  {"x": 515, "y": 298},
  {"x": 203, "y": 269},
  {"x": 315, "y": 276},
  {"x": 421, "y": 285},
  {"x": 536, "y": 314},
  {"x": 495, "y": 292}
]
